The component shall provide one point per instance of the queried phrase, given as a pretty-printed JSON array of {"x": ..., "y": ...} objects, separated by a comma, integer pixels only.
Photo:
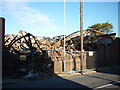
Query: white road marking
[{"x": 107, "y": 85}]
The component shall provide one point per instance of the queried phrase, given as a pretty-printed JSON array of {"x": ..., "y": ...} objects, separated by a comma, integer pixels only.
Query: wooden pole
[{"x": 81, "y": 33}]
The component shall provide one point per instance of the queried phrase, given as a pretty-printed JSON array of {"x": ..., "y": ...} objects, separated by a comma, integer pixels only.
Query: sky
[{"x": 56, "y": 18}]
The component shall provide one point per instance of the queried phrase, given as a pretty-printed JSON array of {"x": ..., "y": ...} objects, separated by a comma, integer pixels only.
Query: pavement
[{"x": 103, "y": 78}]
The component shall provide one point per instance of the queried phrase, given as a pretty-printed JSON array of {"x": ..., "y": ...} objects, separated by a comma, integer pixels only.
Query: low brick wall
[
  {"x": 71, "y": 62},
  {"x": 57, "y": 66}
]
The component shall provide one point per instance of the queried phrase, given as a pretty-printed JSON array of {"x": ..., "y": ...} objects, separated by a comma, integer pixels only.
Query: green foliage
[{"x": 104, "y": 27}]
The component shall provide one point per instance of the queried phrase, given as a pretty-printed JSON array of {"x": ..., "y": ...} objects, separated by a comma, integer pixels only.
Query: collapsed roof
[{"x": 24, "y": 41}]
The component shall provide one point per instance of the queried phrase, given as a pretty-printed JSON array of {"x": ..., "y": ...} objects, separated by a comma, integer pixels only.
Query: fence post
[{"x": 2, "y": 30}]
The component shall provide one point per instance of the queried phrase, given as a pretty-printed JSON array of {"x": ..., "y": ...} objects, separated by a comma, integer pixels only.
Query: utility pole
[
  {"x": 64, "y": 36},
  {"x": 81, "y": 33}
]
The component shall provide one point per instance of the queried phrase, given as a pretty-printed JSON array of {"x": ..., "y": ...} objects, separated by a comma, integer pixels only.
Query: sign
[
  {"x": 90, "y": 53},
  {"x": 22, "y": 57}
]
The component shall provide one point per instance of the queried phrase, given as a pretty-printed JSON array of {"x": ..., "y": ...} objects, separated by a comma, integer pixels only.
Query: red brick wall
[
  {"x": 58, "y": 66},
  {"x": 70, "y": 62}
]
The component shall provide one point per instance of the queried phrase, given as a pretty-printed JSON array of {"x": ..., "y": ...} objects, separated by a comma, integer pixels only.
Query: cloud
[{"x": 30, "y": 19}]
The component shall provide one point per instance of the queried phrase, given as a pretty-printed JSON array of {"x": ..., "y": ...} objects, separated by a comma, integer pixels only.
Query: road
[
  {"x": 114, "y": 85},
  {"x": 98, "y": 80}
]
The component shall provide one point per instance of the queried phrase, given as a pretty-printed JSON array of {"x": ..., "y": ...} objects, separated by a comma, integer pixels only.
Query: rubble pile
[
  {"x": 22, "y": 42},
  {"x": 48, "y": 51},
  {"x": 26, "y": 41}
]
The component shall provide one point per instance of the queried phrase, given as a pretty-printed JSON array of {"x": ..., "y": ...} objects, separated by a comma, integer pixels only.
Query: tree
[{"x": 104, "y": 27}]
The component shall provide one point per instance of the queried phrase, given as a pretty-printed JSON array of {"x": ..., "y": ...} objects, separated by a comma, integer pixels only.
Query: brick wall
[{"x": 72, "y": 61}]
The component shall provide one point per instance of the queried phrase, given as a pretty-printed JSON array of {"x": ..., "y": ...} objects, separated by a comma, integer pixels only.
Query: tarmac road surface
[
  {"x": 103, "y": 79},
  {"x": 115, "y": 85}
]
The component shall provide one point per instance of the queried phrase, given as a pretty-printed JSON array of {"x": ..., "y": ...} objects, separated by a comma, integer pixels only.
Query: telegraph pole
[
  {"x": 81, "y": 33},
  {"x": 64, "y": 36}
]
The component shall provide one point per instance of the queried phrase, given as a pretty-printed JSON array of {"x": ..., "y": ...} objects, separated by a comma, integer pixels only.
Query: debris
[{"x": 47, "y": 52}]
